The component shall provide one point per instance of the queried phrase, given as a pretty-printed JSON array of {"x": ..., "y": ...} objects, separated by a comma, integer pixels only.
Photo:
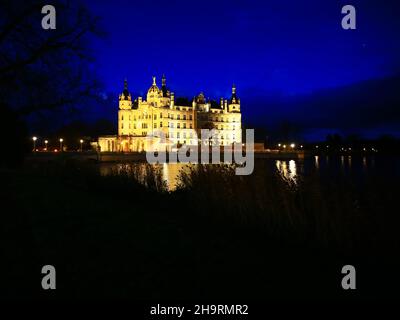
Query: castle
[{"x": 141, "y": 122}]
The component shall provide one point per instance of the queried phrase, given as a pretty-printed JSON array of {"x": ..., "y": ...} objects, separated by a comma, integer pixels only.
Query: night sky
[{"x": 280, "y": 55}]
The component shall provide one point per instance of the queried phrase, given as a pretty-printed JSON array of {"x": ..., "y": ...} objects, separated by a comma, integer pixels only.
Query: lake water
[{"x": 355, "y": 165}]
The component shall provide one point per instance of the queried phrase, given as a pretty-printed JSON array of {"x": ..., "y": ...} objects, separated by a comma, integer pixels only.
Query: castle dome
[{"x": 153, "y": 88}]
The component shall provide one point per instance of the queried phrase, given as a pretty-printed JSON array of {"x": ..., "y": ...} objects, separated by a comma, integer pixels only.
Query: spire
[
  {"x": 164, "y": 80},
  {"x": 234, "y": 98},
  {"x": 125, "y": 93},
  {"x": 154, "y": 81},
  {"x": 125, "y": 99}
]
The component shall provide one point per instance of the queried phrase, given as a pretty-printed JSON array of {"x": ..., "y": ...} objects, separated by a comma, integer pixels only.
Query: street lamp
[
  {"x": 34, "y": 143},
  {"x": 45, "y": 143},
  {"x": 292, "y": 145},
  {"x": 61, "y": 143},
  {"x": 81, "y": 141}
]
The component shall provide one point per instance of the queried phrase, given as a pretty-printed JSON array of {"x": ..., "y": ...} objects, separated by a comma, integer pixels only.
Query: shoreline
[{"x": 141, "y": 156}]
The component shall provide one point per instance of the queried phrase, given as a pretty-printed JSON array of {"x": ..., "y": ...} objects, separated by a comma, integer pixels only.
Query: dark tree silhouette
[
  {"x": 42, "y": 70},
  {"x": 45, "y": 69}
]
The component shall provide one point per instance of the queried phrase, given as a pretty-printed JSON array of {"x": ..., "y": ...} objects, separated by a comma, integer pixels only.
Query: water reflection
[
  {"x": 316, "y": 158},
  {"x": 171, "y": 172},
  {"x": 365, "y": 162},
  {"x": 288, "y": 170}
]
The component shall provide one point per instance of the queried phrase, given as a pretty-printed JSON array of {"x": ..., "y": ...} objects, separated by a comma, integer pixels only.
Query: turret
[
  {"x": 164, "y": 90},
  {"x": 234, "y": 101},
  {"x": 125, "y": 99},
  {"x": 172, "y": 101}
]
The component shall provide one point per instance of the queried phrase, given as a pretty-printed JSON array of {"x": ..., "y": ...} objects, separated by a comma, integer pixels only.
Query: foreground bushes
[
  {"x": 122, "y": 234},
  {"x": 330, "y": 210}
]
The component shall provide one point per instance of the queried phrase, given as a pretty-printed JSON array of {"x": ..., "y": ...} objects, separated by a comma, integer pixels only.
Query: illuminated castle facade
[{"x": 142, "y": 122}]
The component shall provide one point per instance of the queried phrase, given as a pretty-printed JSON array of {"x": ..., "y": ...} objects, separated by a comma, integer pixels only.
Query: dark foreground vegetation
[{"x": 217, "y": 236}]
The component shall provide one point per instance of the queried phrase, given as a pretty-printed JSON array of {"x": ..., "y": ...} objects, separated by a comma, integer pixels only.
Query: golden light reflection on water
[
  {"x": 288, "y": 170},
  {"x": 171, "y": 172},
  {"x": 316, "y": 158}
]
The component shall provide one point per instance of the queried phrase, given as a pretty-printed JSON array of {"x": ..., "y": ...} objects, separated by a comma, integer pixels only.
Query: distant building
[{"x": 142, "y": 122}]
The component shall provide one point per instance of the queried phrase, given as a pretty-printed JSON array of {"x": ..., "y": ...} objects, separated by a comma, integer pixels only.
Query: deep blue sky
[{"x": 270, "y": 49}]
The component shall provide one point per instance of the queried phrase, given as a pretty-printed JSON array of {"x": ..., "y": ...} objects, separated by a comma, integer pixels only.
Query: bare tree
[{"x": 45, "y": 69}]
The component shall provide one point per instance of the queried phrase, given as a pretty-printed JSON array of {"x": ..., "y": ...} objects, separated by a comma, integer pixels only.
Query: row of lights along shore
[
  {"x": 61, "y": 140},
  {"x": 350, "y": 149},
  {"x": 293, "y": 146}
]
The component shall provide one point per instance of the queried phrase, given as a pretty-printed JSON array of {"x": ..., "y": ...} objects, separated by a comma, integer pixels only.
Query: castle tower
[
  {"x": 125, "y": 99},
  {"x": 125, "y": 108},
  {"x": 165, "y": 94},
  {"x": 172, "y": 101},
  {"x": 234, "y": 101}
]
